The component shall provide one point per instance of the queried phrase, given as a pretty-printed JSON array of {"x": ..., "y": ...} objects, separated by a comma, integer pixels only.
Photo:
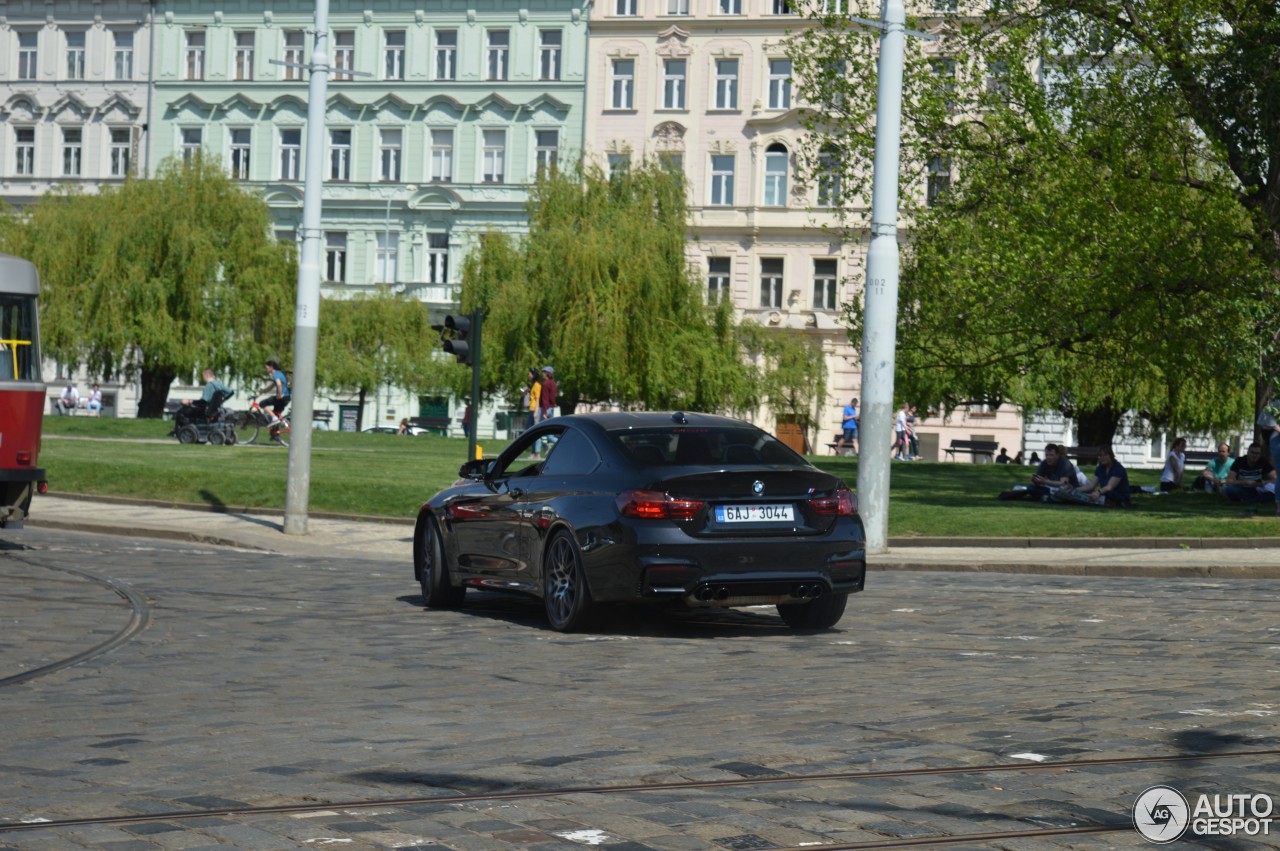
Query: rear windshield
[{"x": 716, "y": 446}]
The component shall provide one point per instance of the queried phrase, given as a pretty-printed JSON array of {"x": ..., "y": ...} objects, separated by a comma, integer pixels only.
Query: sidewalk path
[{"x": 392, "y": 540}]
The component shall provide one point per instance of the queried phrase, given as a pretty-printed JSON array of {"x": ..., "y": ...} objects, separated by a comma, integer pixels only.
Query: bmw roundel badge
[{"x": 757, "y": 487}]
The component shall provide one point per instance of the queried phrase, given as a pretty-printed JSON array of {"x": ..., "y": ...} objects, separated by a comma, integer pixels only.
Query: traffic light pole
[{"x": 477, "y": 316}]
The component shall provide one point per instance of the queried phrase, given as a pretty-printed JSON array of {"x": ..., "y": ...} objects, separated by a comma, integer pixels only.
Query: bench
[
  {"x": 1081, "y": 454},
  {"x": 1200, "y": 456},
  {"x": 834, "y": 445},
  {"x": 323, "y": 417},
  {"x": 436, "y": 424},
  {"x": 973, "y": 447}
]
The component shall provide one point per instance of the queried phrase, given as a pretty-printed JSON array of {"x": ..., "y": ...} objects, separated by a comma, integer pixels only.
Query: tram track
[
  {"x": 139, "y": 618},
  {"x": 689, "y": 785}
]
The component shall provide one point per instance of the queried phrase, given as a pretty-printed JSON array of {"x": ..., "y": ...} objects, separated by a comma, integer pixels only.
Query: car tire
[
  {"x": 433, "y": 569},
  {"x": 188, "y": 435},
  {"x": 564, "y": 585},
  {"x": 822, "y": 613}
]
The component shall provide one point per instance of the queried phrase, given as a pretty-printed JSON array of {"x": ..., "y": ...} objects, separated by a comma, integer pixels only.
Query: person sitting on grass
[
  {"x": 1214, "y": 477},
  {"x": 1109, "y": 484},
  {"x": 1252, "y": 478},
  {"x": 1054, "y": 472},
  {"x": 1174, "y": 466}
]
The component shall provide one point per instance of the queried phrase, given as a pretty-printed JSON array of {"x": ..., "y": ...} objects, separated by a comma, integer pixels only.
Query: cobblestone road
[{"x": 272, "y": 681}]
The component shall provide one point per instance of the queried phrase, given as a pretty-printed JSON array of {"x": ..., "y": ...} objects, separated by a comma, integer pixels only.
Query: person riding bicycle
[{"x": 279, "y": 389}]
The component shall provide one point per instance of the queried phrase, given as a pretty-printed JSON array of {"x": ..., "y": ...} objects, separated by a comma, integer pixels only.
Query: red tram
[{"x": 22, "y": 392}]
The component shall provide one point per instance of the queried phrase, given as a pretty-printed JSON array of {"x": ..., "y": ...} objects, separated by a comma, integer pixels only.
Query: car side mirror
[{"x": 476, "y": 470}]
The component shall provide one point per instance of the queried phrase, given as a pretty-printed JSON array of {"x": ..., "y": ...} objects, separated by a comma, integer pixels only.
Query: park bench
[
  {"x": 973, "y": 447},
  {"x": 1081, "y": 454},
  {"x": 835, "y": 443},
  {"x": 1200, "y": 456},
  {"x": 436, "y": 424},
  {"x": 325, "y": 417}
]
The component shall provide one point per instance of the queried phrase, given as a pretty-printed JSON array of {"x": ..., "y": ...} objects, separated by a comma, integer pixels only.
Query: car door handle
[{"x": 516, "y": 493}]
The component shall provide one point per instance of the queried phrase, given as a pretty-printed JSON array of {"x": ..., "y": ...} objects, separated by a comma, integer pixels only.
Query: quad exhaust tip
[{"x": 807, "y": 592}]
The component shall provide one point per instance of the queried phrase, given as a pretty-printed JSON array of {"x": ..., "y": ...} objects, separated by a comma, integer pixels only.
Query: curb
[
  {"x": 1094, "y": 543},
  {"x": 142, "y": 532},
  {"x": 229, "y": 509},
  {"x": 1087, "y": 571}
]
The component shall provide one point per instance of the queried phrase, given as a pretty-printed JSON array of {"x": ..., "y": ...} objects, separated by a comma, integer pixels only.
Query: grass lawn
[{"x": 389, "y": 475}]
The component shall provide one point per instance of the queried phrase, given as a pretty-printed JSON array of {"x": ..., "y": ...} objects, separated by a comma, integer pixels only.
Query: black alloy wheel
[
  {"x": 564, "y": 585},
  {"x": 822, "y": 613},
  {"x": 433, "y": 570}
]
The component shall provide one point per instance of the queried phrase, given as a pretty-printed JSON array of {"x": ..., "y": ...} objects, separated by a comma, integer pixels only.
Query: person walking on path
[
  {"x": 546, "y": 403},
  {"x": 849, "y": 427}
]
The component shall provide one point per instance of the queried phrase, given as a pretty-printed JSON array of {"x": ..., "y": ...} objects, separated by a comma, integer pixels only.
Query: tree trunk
[
  {"x": 566, "y": 404},
  {"x": 1097, "y": 427},
  {"x": 155, "y": 391},
  {"x": 360, "y": 411}
]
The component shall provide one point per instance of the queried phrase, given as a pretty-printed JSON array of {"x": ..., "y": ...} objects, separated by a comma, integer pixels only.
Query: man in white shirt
[{"x": 70, "y": 399}]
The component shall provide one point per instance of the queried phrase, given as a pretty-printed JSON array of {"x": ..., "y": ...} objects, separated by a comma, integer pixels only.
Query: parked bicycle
[{"x": 253, "y": 421}]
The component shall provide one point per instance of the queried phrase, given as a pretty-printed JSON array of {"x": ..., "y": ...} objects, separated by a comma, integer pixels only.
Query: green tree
[
  {"x": 602, "y": 289},
  {"x": 165, "y": 276},
  {"x": 1113, "y": 235},
  {"x": 368, "y": 341}
]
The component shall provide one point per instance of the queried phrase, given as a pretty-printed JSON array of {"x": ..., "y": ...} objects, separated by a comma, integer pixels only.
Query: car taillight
[
  {"x": 24, "y": 458},
  {"x": 657, "y": 505},
  {"x": 842, "y": 503}
]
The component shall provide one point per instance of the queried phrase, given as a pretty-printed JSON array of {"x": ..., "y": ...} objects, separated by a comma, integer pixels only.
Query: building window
[
  {"x": 729, "y": 7},
  {"x": 945, "y": 7},
  {"x": 344, "y": 54},
  {"x": 997, "y": 82},
  {"x": 771, "y": 282},
  {"x": 547, "y": 151},
  {"x": 294, "y": 53},
  {"x": 549, "y": 42},
  {"x": 385, "y": 263},
  {"x": 677, "y": 7},
  {"x": 195, "y": 54},
  {"x": 244, "y": 55},
  {"x": 335, "y": 257},
  {"x": 446, "y": 54},
  {"x": 123, "y": 55},
  {"x": 624, "y": 79},
  {"x": 722, "y": 180},
  {"x": 718, "y": 279},
  {"x": 828, "y": 180},
  {"x": 390, "y": 156},
  {"x": 673, "y": 83},
  {"x": 825, "y": 283},
  {"x": 290, "y": 153},
  {"x": 672, "y": 163},
  {"x": 437, "y": 258},
  {"x": 779, "y": 83},
  {"x": 726, "y": 84},
  {"x": 494, "y": 156},
  {"x": 120, "y": 151},
  {"x": 782, "y": 7},
  {"x": 499, "y": 46},
  {"x": 832, "y": 7},
  {"x": 27, "y": 54},
  {"x": 939, "y": 180},
  {"x": 618, "y": 164},
  {"x": 25, "y": 149},
  {"x": 944, "y": 70},
  {"x": 624, "y": 7},
  {"x": 240, "y": 137},
  {"x": 775, "y": 175},
  {"x": 72, "y": 151},
  {"x": 442, "y": 155},
  {"x": 75, "y": 55},
  {"x": 393, "y": 55},
  {"x": 192, "y": 139},
  {"x": 339, "y": 154}
]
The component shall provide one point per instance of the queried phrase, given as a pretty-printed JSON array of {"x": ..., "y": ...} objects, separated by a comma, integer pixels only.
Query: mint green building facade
[{"x": 434, "y": 138}]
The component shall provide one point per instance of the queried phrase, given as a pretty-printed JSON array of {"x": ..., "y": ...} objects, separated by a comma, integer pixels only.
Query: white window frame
[
  {"x": 938, "y": 180},
  {"x": 390, "y": 154},
  {"x": 344, "y": 54},
  {"x": 677, "y": 7},
  {"x": 546, "y": 151},
  {"x": 386, "y": 257},
  {"x": 779, "y": 84},
  {"x": 393, "y": 54},
  {"x": 828, "y": 182},
  {"x": 773, "y": 276},
  {"x": 122, "y": 54},
  {"x": 624, "y": 8},
  {"x": 28, "y": 54},
  {"x": 340, "y": 154},
  {"x": 728, "y": 7},
  {"x": 727, "y": 83},
  {"x": 243, "y": 67},
  {"x": 72, "y": 151},
  {"x": 776, "y": 168},
  {"x": 295, "y": 52},
  {"x": 191, "y": 142},
  {"x": 290, "y": 154},
  {"x": 118, "y": 155},
  {"x": 826, "y": 283},
  {"x": 195, "y": 43},
  {"x": 437, "y": 271},
  {"x": 241, "y": 144},
  {"x": 782, "y": 7},
  {"x": 446, "y": 55},
  {"x": 335, "y": 256},
  {"x": 622, "y": 79},
  {"x": 24, "y": 152},
  {"x": 442, "y": 154},
  {"x": 549, "y": 53},
  {"x": 75, "y": 66},
  {"x": 722, "y": 179},
  {"x": 675, "y": 81},
  {"x": 497, "y": 54},
  {"x": 493, "y": 156},
  {"x": 719, "y": 279}
]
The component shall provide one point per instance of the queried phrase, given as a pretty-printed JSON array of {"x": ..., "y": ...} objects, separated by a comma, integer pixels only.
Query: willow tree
[
  {"x": 1111, "y": 239},
  {"x": 370, "y": 340},
  {"x": 163, "y": 276},
  {"x": 602, "y": 289}
]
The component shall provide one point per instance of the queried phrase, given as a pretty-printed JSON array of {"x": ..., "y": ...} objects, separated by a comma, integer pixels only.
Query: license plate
[{"x": 755, "y": 514}]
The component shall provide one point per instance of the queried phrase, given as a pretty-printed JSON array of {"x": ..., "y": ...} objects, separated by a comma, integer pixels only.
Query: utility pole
[
  {"x": 880, "y": 325},
  {"x": 307, "y": 319}
]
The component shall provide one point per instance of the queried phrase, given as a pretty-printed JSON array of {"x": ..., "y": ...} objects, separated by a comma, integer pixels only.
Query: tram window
[{"x": 19, "y": 352}]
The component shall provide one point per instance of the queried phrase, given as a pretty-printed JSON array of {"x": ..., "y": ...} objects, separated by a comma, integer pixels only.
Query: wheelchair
[{"x": 206, "y": 422}]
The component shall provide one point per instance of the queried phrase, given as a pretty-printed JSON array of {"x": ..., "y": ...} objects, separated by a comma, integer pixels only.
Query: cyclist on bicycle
[{"x": 279, "y": 389}]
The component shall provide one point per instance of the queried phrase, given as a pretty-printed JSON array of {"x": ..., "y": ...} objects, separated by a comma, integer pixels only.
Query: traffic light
[{"x": 454, "y": 333}]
